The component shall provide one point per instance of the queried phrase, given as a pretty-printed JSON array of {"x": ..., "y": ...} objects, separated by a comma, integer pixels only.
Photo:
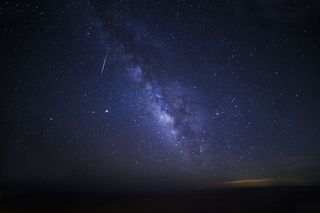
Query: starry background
[{"x": 125, "y": 94}]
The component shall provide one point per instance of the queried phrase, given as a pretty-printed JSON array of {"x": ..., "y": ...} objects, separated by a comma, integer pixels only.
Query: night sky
[{"x": 131, "y": 94}]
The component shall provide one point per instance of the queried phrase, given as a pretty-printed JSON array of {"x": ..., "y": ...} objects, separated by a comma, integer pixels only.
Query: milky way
[
  {"x": 175, "y": 107},
  {"x": 175, "y": 111}
]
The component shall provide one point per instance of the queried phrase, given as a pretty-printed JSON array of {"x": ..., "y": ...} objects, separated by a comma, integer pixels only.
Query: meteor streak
[{"x": 104, "y": 62}]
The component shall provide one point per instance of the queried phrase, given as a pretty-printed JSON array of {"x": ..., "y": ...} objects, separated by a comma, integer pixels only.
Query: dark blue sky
[{"x": 120, "y": 93}]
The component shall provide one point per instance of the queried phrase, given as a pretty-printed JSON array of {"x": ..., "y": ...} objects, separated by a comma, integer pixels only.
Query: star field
[{"x": 179, "y": 93}]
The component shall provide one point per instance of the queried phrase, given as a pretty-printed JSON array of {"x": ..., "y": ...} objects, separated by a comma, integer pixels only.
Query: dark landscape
[{"x": 272, "y": 199}]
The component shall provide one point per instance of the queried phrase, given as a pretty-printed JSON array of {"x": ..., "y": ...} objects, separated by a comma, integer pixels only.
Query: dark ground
[{"x": 275, "y": 199}]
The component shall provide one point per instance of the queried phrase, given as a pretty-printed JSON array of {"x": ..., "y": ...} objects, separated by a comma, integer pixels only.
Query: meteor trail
[{"x": 104, "y": 63}]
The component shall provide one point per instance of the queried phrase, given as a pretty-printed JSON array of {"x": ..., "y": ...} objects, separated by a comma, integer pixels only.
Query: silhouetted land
[{"x": 273, "y": 199}]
